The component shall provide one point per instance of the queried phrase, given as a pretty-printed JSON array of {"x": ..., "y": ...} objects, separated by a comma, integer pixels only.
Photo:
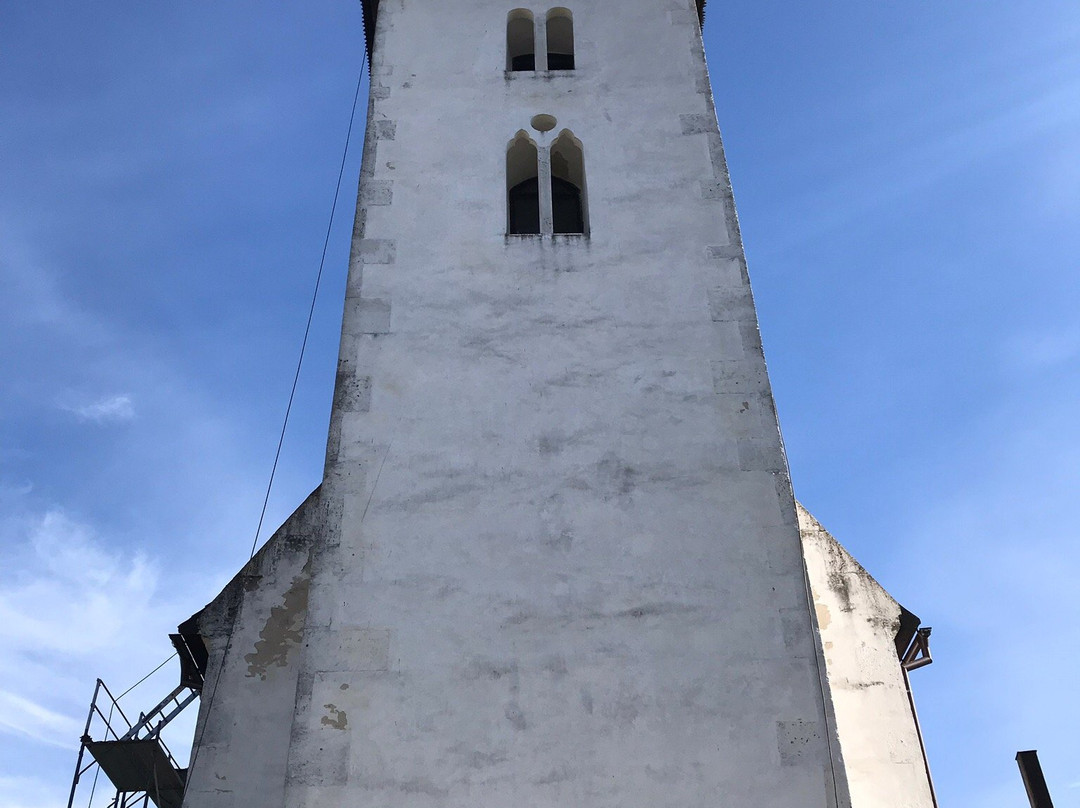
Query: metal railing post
[
  {"x": 82, "y": 744},
  {"x": 1034, "y": 782}
]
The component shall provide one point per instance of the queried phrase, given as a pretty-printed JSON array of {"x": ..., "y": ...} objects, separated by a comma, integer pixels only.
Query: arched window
[
  {"x": 568, "y": 211},
  {"x": 520, "y": 40},
  {"x": 560, "y": 39},
  {"x": 522, "y": 186}
]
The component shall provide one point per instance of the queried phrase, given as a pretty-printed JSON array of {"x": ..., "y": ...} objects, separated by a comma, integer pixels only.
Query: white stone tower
[{"x": 555, "y": 559}]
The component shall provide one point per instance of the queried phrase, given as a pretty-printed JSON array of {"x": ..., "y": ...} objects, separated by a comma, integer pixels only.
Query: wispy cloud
[
  {"x": 69, "y": 600},
  {"x": 27, "y": 792},
  {"x": 25, "y": 717},
  {"x": 110, "y": 409},
  {"x": 936, "y": 148}
]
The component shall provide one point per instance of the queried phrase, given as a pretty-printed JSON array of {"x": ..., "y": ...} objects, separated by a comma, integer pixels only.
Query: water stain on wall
[
  {"x": 334, "y": 718},
  {"x": 283, "y": 630}
]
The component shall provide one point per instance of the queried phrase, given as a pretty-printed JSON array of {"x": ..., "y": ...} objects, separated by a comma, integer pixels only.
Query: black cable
[
  {"x": 93, "y": 787},
  {"x": 155, "y": 670},
  {"x": 311, "y": 312},
  {"x": 197, "y": 745}
]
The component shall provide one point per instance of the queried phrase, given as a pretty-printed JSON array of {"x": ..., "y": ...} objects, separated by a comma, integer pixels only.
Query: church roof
[{"x": 371, "y": 13}]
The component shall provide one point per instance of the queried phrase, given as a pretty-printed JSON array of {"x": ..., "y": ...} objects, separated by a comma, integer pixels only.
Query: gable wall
[{"x": 858, "y": 621}]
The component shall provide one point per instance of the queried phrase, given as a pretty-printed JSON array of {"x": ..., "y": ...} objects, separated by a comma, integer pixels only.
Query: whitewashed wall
[
  {"x": 555, "y": 556},
  {"x": 858, "y": 621}
]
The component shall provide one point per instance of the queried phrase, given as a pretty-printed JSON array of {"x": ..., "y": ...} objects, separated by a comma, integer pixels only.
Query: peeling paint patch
[
  {"x": 824, "y": 618},
  {"x": 334, "y": 718},
  {"x": 283, "y": 631}
]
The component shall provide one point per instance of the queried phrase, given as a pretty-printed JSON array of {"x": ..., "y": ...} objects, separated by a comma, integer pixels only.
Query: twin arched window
[
  {"x": 545, "y": 187},
  {"x": 554, "y": 41}
]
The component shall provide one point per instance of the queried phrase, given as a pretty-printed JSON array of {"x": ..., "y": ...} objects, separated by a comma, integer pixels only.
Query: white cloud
[
  {"x": 75, "y": 607},
  {"x": 25, "y": 717},
  {"x": 29, "y": 792},
  {"x": 69, "y": 604},
  {"x": 79, "y": 601},
  {"x": 111, "y": 409}
]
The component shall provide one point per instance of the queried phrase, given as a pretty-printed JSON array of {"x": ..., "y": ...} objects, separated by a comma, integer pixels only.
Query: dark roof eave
[{"x": 371, "y": 13}]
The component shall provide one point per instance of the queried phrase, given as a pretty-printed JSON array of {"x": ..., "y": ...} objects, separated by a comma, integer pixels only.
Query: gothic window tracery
[
  {"x": 545, "y": 186},
  {"x": 522, "y": 186},
  {"x": 567, "y": 184}
]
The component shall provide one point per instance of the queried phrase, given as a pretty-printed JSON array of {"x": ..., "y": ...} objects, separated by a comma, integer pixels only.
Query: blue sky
[{"x": 908, "y": 183}]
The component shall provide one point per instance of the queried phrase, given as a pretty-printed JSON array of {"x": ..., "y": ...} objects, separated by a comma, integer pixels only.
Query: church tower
[{"x": 555, "y": 558}]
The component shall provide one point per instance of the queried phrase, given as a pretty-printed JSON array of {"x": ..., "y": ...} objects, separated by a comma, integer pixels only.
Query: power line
[
  {"x": 311, "y": 311},
  {"x": 155, "y": 670},
  {"x": 197, "y": 745}
]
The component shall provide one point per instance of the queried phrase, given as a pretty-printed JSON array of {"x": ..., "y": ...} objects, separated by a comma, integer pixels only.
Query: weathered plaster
[
  {"x": 282, "y": 632},
  {"x": 858, "y": 621},
  {"x": 253, "y": 631},
  {"x": 555, "y": 556}
]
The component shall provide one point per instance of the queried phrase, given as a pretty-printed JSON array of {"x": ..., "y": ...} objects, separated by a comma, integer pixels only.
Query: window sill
[
  {"x": 556, "y": 237},
  {"x": 524, "y": 75}
]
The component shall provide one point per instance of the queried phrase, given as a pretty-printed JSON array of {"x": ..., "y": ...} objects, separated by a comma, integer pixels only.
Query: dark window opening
[
  {"x": 527, "y": 61},
  {"x": 559, "y": 61},
  {"x": 520, "y": 41},
  {"x": 524, "y": 203},
  {"x": 567, "y": 212},
  {"x": 560, "y": 39}
]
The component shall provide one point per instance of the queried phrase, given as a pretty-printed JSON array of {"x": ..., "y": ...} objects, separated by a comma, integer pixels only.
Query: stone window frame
[
  {"x": 543, "y": 143},
  {"x": 540, "y": 39}
]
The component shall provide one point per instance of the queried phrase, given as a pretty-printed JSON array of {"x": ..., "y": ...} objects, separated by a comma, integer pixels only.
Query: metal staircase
[{"x": 133, "y": 755}]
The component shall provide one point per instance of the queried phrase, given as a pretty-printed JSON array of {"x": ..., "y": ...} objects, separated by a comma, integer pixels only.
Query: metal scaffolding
[{"x": 133, "y": 755}]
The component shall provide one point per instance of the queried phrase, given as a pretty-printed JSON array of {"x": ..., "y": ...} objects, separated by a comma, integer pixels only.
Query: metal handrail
[{"x": 164, "y": 712}]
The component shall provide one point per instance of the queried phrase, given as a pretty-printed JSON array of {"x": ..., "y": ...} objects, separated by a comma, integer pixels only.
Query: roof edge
[{"x": 370, "y": 13}]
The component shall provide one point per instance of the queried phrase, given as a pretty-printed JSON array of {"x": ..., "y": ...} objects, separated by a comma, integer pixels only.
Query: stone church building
[{"x": 555, "y": 559}]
